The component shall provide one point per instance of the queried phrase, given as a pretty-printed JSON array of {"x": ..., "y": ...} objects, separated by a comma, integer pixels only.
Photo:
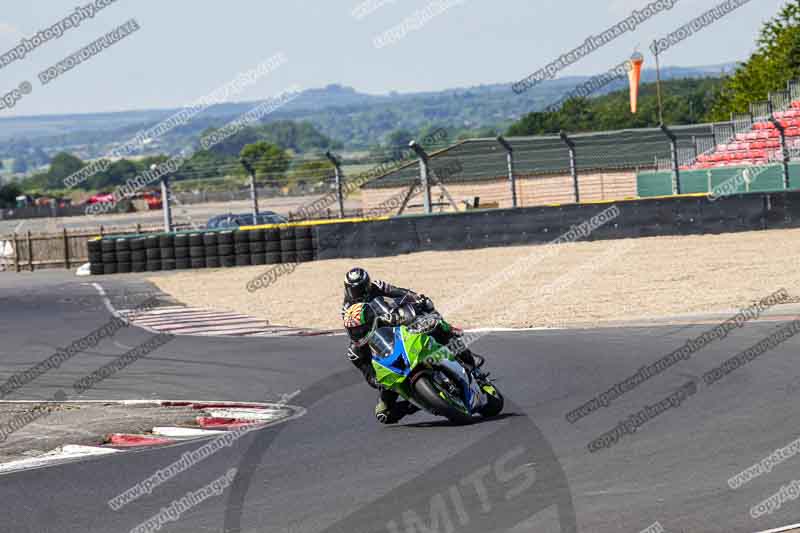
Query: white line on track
[
  {"x": 64, "y": 453},
  {"x": 780, "y": 529}
]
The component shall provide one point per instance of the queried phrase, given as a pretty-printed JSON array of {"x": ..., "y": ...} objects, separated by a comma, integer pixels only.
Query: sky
[{"x": 186, "y": 49}]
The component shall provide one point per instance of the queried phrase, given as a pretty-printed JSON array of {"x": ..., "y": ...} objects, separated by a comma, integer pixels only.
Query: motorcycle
[{"x": 410, "y": 362}]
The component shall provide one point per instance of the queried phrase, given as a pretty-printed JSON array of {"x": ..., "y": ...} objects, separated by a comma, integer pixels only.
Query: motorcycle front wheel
[
  {"x": 494, "y": 401},
  {"x": 439, "y": 400}
]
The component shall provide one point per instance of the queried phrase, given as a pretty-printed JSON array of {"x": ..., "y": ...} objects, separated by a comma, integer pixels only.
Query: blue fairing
[{"x": 397, "y": 360}]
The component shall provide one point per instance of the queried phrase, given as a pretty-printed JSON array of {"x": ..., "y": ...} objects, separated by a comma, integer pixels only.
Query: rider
[{"x": 359, "y": 290}]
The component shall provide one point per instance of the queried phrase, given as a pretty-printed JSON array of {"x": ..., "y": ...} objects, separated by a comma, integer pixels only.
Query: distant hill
[{"x": 357, "y": 120}]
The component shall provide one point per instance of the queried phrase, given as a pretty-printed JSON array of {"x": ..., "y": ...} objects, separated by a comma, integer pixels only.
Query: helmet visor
[{"x": 356, "y": 292}]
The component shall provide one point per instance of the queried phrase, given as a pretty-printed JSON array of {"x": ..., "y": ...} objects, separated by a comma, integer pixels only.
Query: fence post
[
  {"x": 253, "y": 192},
  {"x": 423, "y": 175},
  {"x": 30, "y": 251},
  {"x": 165, "y": 200},
  {"x": 66, "y": 249},
  {"x": 573, "y": 165},
  {"x": 784, "y": 150},
  {"x": 337, "y": 170},
  {"x": 510, "y": 160},
  {"x": 676, "y": 176},
  {"x": 16, "y": 252}
]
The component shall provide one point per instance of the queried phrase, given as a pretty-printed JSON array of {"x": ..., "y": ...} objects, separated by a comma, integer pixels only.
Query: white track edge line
[{"x": 784, "y": 528}]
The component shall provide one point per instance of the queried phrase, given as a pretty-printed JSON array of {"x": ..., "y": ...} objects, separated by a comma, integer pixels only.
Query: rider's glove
[{"x": 425, "y": 303}]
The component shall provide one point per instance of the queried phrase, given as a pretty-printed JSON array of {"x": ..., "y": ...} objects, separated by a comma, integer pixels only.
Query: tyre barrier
[{"x": 201, "y": 249}]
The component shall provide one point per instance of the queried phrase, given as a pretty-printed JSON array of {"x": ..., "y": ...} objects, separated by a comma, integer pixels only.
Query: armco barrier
[
  {"x": 538, "y": 225},
  {"x": 300, "y": 242}
]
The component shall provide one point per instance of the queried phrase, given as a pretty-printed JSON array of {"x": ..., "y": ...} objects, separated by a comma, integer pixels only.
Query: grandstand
[{"x": 756, "y": 137}]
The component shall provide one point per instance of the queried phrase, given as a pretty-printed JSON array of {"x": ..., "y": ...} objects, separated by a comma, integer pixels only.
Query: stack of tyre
[
  {"x": 297, "y": 245},
  {"x": 213, "y": 249},
  {"x": 96, "y": 265}
]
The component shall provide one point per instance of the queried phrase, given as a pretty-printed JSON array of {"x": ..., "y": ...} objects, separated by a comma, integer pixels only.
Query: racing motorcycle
[{"x": 410, "y": 362}]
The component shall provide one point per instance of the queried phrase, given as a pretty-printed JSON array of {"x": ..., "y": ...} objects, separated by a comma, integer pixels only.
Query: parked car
[
  {"x": 244, "y": 219},
  {"x": 100, "y": 198}
]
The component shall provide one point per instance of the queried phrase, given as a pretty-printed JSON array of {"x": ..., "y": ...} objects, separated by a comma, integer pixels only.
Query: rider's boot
[
  {"x": 391, "y": 409},
  {"x": 383, "y": 413},
  {"x": 393, "y": 414}
]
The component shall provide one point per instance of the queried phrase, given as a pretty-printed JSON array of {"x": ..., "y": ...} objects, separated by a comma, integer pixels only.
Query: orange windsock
[{"x": 634, "y": 76}]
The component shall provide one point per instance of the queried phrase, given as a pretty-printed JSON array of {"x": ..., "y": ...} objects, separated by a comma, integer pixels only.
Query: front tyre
[
  {"x": 494, "y": 401},
  {"x": 439, "y": 401}
]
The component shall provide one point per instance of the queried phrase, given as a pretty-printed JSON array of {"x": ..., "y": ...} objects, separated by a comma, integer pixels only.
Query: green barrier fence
[{"x": 769, "y": 179}]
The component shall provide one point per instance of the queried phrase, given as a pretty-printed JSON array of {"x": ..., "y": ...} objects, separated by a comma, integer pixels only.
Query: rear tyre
[{"x": 430, "y": 395}]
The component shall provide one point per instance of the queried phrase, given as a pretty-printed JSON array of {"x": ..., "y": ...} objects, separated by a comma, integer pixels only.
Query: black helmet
[{"x": 356, "y": 284}]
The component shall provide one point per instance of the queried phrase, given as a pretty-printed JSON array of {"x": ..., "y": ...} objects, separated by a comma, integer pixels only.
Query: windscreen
[{"x": 382, "y": 342}]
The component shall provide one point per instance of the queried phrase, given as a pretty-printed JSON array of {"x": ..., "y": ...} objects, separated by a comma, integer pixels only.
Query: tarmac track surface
[{"x": 336, "y": 469}]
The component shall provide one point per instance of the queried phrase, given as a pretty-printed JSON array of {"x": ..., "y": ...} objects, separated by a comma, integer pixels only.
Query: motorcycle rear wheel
[{"x": 435, "y": 399}]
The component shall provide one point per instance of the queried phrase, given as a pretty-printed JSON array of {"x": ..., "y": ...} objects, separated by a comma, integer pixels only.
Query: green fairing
[{"x": 419, "y": 347}]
